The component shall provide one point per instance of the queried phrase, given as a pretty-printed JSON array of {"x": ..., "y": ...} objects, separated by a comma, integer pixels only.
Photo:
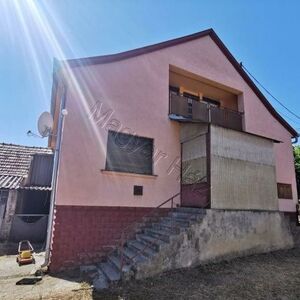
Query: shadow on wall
[{"x": 32, "y": 228}]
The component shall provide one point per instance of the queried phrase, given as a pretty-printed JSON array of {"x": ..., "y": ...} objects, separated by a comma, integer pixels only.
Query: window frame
[{"x": 107, "y": 169}]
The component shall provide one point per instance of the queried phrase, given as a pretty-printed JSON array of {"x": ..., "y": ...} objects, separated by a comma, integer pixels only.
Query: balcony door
[{"x": 194, "y": 166}]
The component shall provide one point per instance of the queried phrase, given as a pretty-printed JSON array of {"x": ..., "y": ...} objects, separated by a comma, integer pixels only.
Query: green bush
[{"x": 297, "y": 167}]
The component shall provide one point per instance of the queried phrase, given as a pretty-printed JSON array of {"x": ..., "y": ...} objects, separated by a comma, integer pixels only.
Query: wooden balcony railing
[{"x": 195, "y": 111}]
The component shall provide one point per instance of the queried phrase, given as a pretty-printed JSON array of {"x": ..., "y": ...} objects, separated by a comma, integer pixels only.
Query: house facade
[
  {"x": 25, "y": 188},
  {"x": 180, "y": 118}
]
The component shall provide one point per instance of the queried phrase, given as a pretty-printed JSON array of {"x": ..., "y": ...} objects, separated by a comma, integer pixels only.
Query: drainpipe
[
  {"x": 62, "y": 114},
  {"x": 295, "y": 141}
]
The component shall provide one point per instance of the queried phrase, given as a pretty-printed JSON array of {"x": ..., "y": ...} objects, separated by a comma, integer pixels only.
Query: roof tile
[{"x": 15, "y": 163}]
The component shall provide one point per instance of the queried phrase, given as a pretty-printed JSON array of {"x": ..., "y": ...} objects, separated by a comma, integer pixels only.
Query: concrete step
[
  {"x": 115, "y": 260},
  {"x": 160, "y": 234},
  {"x": 151, "y": 219},
  {"x": 169, "y": 227},
  {"x": 186, "y": 216},
  {"x": 146, "y": 250},
  {"x": 191, "y": 210},
  {"x": 109, "y": 271},
  {"x": 154, "y": 243},
  {"x": 176, "y": 222},
  {"x": 180, "y": 215},
  {"x": 133, "y": 255},
  {"x": 100, "y": 282}
]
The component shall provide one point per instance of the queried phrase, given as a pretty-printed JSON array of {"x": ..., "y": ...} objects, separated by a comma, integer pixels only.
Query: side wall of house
[
  {"x": 243, "y": 172},
  {"x": 132, "y": 96}
]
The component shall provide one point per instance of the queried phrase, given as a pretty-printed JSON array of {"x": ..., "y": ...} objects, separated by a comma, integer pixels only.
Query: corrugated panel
[
  {"x": 36, "y": 188},
  {"x": 40, "y": 173},
  {"x": 10, "y": 182}
]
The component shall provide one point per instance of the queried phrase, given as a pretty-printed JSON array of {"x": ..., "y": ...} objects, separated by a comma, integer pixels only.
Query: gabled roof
[
  {"x": 209, "y": 32},
  {"x": 15, "y": 161}
]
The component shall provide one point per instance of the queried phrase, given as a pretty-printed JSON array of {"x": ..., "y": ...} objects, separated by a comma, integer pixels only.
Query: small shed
[{"x": 25, "y": 188}]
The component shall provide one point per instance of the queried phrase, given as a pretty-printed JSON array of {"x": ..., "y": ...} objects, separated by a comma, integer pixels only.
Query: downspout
[
  {"x": 295, "y": 141},
  {"x": 55, "y": 176}
]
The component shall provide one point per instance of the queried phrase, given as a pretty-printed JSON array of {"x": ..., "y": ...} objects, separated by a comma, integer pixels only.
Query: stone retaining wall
[{"x": 222, "y": 234}]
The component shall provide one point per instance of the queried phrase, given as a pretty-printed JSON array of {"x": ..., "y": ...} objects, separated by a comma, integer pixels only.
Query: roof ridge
[{"x": 107, "y": 58}]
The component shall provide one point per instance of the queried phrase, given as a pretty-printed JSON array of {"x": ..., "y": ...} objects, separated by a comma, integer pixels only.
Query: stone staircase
[{"x": 142, "y": 254}]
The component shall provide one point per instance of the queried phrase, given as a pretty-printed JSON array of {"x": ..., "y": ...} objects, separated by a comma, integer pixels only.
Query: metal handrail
[
  {"x": 182, "y": 110},
  {"x": 119, "y": 246},
  {"x": 134, "y": 226}
]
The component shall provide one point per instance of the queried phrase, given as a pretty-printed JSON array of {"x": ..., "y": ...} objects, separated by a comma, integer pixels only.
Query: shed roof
[{"x": 15, "y": 163}]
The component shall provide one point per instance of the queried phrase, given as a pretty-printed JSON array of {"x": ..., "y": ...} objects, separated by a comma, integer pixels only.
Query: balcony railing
[{"x": 194, "y": 111}]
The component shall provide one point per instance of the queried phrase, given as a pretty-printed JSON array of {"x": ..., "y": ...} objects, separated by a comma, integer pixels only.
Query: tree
[{"x": 297, "y": 166}]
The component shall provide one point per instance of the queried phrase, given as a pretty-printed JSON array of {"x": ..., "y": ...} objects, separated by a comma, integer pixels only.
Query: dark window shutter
[
  {"x": 129, "y": 153},
  {"x": 284, "y": 191}
]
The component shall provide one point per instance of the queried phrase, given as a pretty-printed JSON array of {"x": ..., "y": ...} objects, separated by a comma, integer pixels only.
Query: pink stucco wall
[{"x": 134, "y": 93}]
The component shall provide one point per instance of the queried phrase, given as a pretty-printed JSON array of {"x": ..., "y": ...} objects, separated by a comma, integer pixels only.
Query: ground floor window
[{"x": 129, "y": 153}]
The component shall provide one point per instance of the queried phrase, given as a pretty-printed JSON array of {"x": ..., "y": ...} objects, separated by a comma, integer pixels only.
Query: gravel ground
[{"x": 266, "y": 276}]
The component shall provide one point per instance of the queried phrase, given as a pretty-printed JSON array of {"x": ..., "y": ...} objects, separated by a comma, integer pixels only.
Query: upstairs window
[
  {"x": 129, "y": 153},
  {"x": 210, "y": 101}
]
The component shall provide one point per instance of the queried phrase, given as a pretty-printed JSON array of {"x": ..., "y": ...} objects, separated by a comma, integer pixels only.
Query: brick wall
[{"x": 83, "y": 233}]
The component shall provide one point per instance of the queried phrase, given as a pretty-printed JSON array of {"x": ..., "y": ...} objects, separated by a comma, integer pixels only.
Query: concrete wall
[
  {"x": 222, "y": 235},
  {"x": 34, "y": 232},
  {"x": 135, "y": 97},
  {"x": 243, "y": 174}
]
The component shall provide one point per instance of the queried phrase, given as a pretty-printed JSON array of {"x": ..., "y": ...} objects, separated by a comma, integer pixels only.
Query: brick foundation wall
[{"x": 83, "y": 233}]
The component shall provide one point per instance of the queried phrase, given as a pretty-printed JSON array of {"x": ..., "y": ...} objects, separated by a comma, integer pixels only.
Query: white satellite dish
[{"x": 45, "y": 124}]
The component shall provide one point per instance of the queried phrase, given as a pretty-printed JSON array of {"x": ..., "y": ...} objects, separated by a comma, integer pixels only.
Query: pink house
[{"x": 179, "y": 121}]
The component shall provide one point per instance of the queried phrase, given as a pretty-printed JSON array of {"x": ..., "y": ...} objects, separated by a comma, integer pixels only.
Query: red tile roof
[{"x": 15, "y": 163}]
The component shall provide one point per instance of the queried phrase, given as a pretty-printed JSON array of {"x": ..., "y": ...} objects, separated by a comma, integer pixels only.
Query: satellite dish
[{"x": 45, "y": 124}]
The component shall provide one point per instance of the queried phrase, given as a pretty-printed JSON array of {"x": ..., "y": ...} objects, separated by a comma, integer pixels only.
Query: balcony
[{"x": 183, "y": 109}]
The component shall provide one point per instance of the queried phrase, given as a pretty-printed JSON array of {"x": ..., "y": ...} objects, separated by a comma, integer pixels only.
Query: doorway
[{"x": 195, "y": 168}]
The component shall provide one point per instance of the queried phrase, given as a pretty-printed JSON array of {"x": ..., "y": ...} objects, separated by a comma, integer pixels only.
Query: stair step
[
  {"x": 154, "y": 243},
  {"x": 169, "y": 227},
  {"x": 192, "y": 210},
  {"x": 156, "y": 233},
  {"x": 115, "y": 260},
  {"x": 149, "y": 252},
  {"x": 100, "y": 282},
  {"x": 110, "y": 272},
  {"x": 186, "y": 216},
  {"x": 176, "y": 222},
  {"x": 133, "y": 255}
]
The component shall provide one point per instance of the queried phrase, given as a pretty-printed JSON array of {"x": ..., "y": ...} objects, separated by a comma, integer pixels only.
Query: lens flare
[{"x": 42, "y": 35}]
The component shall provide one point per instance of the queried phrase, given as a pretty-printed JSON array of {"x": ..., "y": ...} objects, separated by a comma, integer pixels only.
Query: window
[
  {"x": 284, "y": 191},
  {"x": 129, "y": 153},
  {"x": 212, "y": 102}
]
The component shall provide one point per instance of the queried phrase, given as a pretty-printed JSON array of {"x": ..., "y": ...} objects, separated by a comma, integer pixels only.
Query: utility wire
[
  {"x": 269, "y": 93},
  {"x": 297, "y": 122}
]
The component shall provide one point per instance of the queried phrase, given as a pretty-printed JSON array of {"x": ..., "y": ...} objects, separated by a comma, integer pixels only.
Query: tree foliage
[{"x": 297, "y": 166}]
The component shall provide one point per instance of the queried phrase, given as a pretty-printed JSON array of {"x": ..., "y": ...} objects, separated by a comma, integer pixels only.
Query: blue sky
[{"x": 262, "y": 34}]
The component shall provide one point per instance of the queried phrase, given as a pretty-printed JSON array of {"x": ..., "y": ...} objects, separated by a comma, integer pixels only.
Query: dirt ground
[
  {"x": 267, "y": 276},
  {"x": 48, "y": 287}
]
